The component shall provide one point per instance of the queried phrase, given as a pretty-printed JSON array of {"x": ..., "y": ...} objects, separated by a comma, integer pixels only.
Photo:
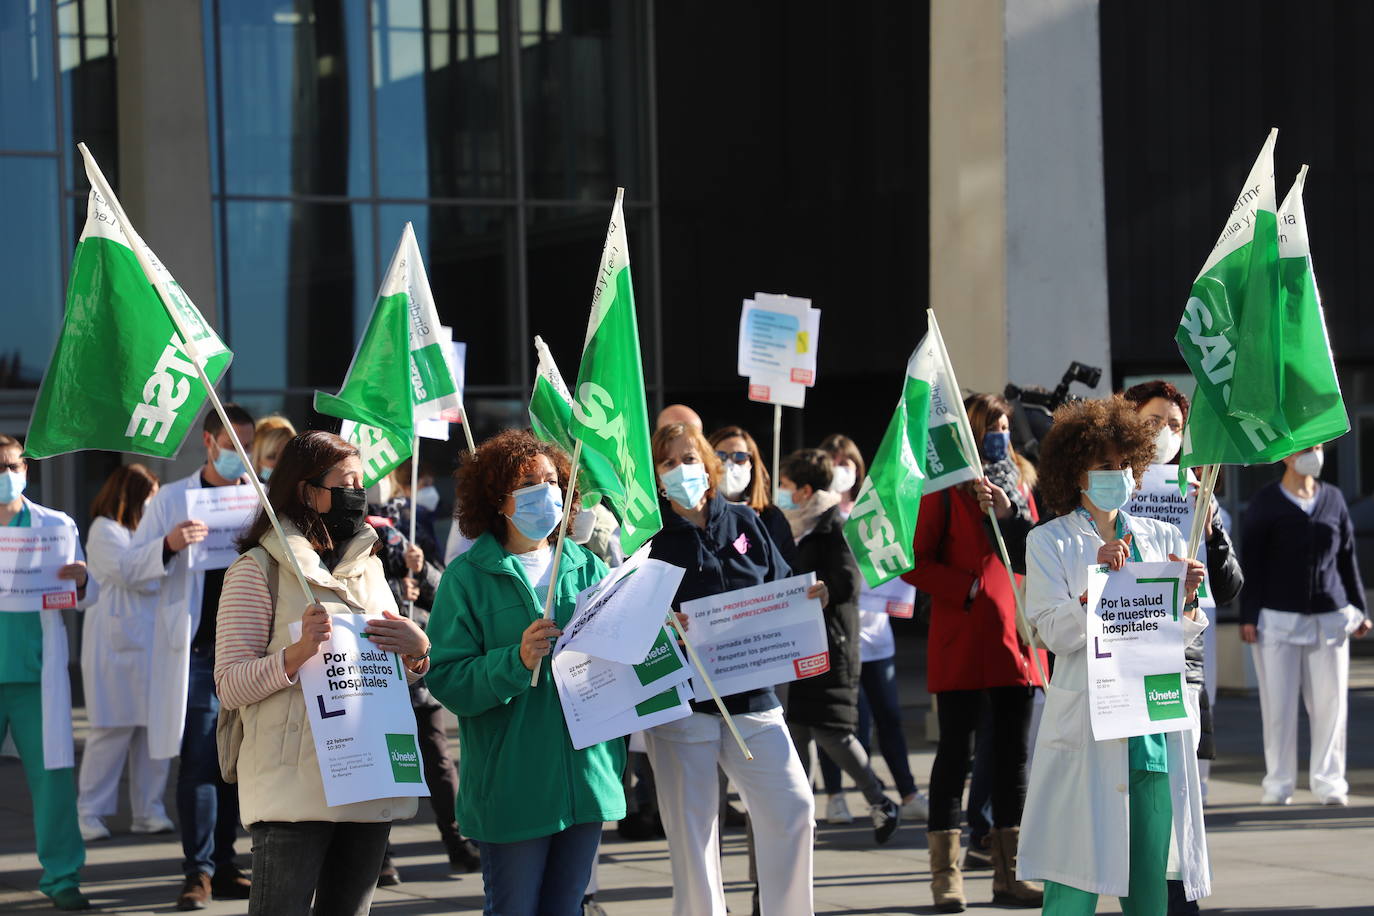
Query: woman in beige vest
[{"x": 303, "y": 849}]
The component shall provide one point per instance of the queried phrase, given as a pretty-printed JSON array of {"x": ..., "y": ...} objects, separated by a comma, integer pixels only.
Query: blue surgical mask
[
  {"x": 228, "y": 465},
  {"x": 786, "y": 502},
  {"x": 537, "y": 510},
  {"x": 996, "y": 445},
  {"x": 1110, "y": 490},
  {"x": 685, "y": 484},
  {"x": 12, "y": 485},
  {"x": 266, "y": 474}
]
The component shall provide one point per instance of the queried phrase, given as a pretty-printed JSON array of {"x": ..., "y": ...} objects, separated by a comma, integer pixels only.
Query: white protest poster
[
  {"x": 226, "y": 511},
  {"x": 776, "y": 389},
  {"x": 593, "y": 690},
  {"x": 621, "y": 617},
  {"x": 1158, "y": 498},
  {"x": 29, "y": 561},
  {"x": 778, "y": 336},
  {"x": 1135, "y": 650},
  {"x": 758, "y": 636},
  {"x": 360, "y": 715},
  {"x": 668, "y": 706},
  {"x": 895, "y": 598}
]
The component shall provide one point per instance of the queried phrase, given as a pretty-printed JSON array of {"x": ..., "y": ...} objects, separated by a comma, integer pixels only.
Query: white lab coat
[
  {"x": 1076, "y": 825},
  {"x": 177, "y": 613},
  {"x": 117, "y": 636},
  {"x": 59, "y": 750}
]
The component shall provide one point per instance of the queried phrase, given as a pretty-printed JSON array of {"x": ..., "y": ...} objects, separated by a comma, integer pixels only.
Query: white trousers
[
  {"x": 103, "y": 761},
  {"x": 1321, "y": 674},
  {"x": 774, "y": 790}
]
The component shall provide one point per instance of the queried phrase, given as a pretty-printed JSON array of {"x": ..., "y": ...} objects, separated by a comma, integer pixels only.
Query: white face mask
[
  {"x": 843, "y": 479},
  {"x": 736, "y": 480},
  {"x": 1166, "y": 445},
  {"x": 427, "y": 498},
  {"x": 1309, "y": 464}
]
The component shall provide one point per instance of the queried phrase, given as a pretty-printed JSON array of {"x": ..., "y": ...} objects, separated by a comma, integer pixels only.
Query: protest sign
[
  {"x": 776, "y": 389},
  {"x": 758, "y": 636},
  {"x": 29, "y": 561},
  {"x": 778, "y": 337},
  {"x": 360, "y": 716},
  {"x": 1135, "y": 650},
  {"x": 895, "y": 598},
  {"x": 621, "y": 617},
  {"x": 592, "y": 690},
  {"x": 1158, "y": 498},
  {"x": 226, "y": 511},
  {"x": 668, "y": 706}
]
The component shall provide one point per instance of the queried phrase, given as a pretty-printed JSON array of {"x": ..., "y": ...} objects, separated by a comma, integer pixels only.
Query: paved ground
[{"x": 1296, "y": 860}]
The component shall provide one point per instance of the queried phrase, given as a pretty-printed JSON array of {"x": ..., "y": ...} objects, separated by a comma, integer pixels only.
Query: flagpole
[
  {"x": 777, "y": 446},
  {"x": 970, "y": 450},
  {"x": 414, "y": 491},
  {"x": 467, "y": 429},
  {"x": 1206, "y": 486},
  {"x": 558, "y": 549},
  {"x": 192, "y": 351},
  {"x": 710, "y": 686}
]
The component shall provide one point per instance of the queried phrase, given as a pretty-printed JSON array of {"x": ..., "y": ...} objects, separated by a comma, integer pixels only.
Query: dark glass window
[
  {"x": 31, "y": 263},
  {"x": 28, "y": 113},
  {"x": 86, "y": 62}
]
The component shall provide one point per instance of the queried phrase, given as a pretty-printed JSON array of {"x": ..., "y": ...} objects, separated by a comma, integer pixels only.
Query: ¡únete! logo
[
  {"x": 405, "y": 758},
  {"x": 1164, "y": 697}
]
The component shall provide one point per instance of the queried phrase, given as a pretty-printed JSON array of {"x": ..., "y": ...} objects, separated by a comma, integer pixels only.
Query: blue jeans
[
  {"x": 878, "y": 702},
  {"x": 545, "y": 876},
  {"x": 336, "y": 865},
  {"x": 207, "y": 806}
]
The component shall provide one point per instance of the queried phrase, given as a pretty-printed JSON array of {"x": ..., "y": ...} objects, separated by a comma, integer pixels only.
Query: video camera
[{"x": 1033, "y": 407}]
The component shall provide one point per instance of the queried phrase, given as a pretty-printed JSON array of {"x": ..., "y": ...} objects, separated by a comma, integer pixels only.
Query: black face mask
[{"x": 347, "y": 511}]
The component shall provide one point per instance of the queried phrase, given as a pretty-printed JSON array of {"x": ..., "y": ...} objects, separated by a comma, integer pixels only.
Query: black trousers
[
  {"x": 336, "y": 865},
  {"x": 958, "y": 713}
]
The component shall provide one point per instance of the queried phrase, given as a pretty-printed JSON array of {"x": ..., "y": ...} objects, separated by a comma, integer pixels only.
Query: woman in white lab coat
[
  {"x": 1117, "y": 816},
  {"x": 116, "y": 665}
]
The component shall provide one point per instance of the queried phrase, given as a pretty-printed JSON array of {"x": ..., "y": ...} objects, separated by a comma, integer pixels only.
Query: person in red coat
[{"x": 975, "y": 652}]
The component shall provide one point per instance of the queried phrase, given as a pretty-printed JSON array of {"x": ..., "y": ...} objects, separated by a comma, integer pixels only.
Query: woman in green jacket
[{"x": 533, "y": 803}]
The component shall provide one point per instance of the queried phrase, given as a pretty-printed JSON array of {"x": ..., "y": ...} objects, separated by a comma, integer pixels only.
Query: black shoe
[
  {"x": 734, "y": 817},
  {"x": 591, "y": 908},
  {"x": 636, "y": 827},
  {"x": 229, "y": 883},
  {"x": 388, "y": 876},
  {"x": 886, "y": 816},
  {"x": 463, "y": 857}
]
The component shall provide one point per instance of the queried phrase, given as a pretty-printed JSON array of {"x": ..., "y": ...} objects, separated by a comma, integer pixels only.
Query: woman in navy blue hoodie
[
  {"x": 724, "y": 547},
  {"x": 1302, "y": 601}
]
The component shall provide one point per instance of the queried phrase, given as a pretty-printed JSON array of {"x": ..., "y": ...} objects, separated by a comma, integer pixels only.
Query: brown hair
[
  {"x": 840, "y": 446},
  {"x": 1082, "y": 433},
  {"x": 11, "y": 442},
  {"x": 236, "y": 414},
  {"x": 124, "y": 494},
  {"x": 983, "y": 411},
  {"x": 663, "y": 437},
  {"x": 305, "y": 458},
  {"x": 486, "y": 478},
  {"x": 759, "y": 493},
  {"x": 808, "y": 466},
  {"x": 1145, "y": 392}
]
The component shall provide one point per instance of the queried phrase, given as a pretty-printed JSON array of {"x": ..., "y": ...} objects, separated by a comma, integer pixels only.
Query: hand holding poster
[
  {"x": 758, "y": 636},
  {"x": 226, "y": 511},
  {"x": 360, "y": 716},
  {"x": 1135, "y": 650},
  {"x": 29, "y": 562}
]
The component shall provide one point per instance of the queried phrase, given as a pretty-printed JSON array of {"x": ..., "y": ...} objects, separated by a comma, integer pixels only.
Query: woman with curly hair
[
  {"x": 1100, "y": 815},
  {"x": 534, "y": 804}
]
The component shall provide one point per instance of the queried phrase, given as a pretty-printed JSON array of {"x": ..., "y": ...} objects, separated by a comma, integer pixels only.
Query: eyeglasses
[{"x": 736, "y": 457}]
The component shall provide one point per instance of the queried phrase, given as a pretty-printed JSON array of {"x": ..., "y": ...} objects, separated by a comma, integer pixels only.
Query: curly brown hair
[
  {"x": 486, "y": 478},
  {"x": 1082, "y": 433}
]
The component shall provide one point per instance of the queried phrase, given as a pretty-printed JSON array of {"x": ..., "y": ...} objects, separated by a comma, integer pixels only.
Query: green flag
[
  {"x": 399, "y": 374},
  {"x": 1254, "y": 336},
  {"x": 609, "y": 415},
  {"x": 120, "y": 378},
  {"x": 919, "y": 454},
  {"x": 551, "y": 417}
]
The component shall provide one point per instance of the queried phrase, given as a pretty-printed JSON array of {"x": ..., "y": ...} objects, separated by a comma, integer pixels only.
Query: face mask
[
  {"x": 266, "y": 474},
  {"x": 1166, "y": 445},
  {"x": 787, "y": 500},
  {"x": 843, "y": 480},
  {"x": 347, "y": 509},
  {"x": 686, "y": 484},
  {"x": 427, "y": 498},
  {"x": 228, "y": 465},
  {"x": 537, "y": 510},
  {"x": 12, "y": 485},
  {"x": 1309, "y": 464},
  {"x": 996, "y": 445},
  {"x": 736, "y": 480},
  {"x": 1110, "y": 490},
  {"x": 584, "y": 526}
]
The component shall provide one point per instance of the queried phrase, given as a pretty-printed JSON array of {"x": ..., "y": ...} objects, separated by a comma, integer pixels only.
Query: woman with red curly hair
[
  {"x": 534, "y": 803},
  {"x": 1100, "y": 816}
]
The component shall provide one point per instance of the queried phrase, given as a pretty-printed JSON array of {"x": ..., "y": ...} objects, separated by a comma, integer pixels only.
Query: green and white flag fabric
[
  {"x": 550, "y": 418},
  {"x": 609, "y": 414},
  {"x": 919, "y": 454},
  {"x": 1254, "y": 336},
  {"x": 399, "y": 374},
  {"x": 120, "y": 378}
]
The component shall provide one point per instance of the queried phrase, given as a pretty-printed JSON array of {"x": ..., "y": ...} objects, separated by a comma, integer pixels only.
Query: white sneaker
[
  {"x": 93, "y": 828},
  {"x": 837, "y": 811},
  {"x": 1339, "y": 801},
  {"x": 1273, "y": 798},
  {"x": 158, "y": 823},
  {"x": 918, "y": 807}
]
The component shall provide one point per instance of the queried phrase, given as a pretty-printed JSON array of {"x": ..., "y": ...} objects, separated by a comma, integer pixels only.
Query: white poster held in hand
[
  {"x": 593, "y": 691},
  {"x": 227, "y": 512},
  {"x": 758, "y": 636},
  {"x": 1158, "y": 498},
  {"x": 621, "y": 617},
  {"x": 895, "y": 598},
  {"x": 1135, "y": 650},
  {"x": 29, "y": 561},
  {"x": 668, "y": 706},
  {"x": 360, "y": 715},
  {"x": 778, "y": 337}
]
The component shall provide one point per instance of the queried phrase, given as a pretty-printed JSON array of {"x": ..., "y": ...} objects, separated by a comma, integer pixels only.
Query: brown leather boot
[
  {"x": 1007, "y": 890},
  {"x": 946, "y": 881},
  {"x": 195, "y": 892}
]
